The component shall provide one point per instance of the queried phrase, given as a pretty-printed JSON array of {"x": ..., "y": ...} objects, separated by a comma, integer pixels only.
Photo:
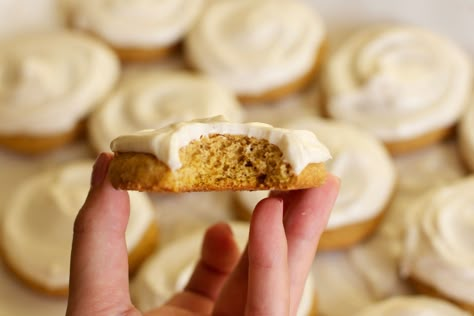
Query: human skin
[{"x": 268, "y": 278}]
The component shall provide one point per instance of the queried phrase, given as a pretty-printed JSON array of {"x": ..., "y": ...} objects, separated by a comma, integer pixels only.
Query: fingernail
[
  {"x": 99, "y": 170},
  {"x": 226, "y": 226}
]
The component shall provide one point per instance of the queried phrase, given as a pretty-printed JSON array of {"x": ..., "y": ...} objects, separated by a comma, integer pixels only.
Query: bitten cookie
[
  {"x": 137, "y": 30},
  {"x": 214, "y": 155},
  {"x": 48, "y": 84},
  {"x": 404, "y": 84},
  {"x": 37, "y": 225},
  {"x": 438, "y": 252},
  {"x": 169, "y": 270},
  {"x": 262, "y": 50},
  {"x": 368, "y": 181}
]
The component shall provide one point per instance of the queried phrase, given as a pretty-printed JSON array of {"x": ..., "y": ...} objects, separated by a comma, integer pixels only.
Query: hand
[{"x": 267, "y": 279}]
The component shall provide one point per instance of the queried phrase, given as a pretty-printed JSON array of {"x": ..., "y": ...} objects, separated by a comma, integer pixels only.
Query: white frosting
[
  {"x": 37, "y": 225},
  {"x": 439, "y": 241},
  {"x": 48, "y": 82},
  {"x": 169, "y": 270},
  {"x": 254, "y": 46},
  {"x": 412, "y": 306},
  {"x": 138, "y": 23},
  {"x": 146, "y": 100},
  {"x": 364, "y": 166},
  {"x": 399, "y": 82},
  {"x": 466, "y": 136},
  {"x": 299, "y": 147}
]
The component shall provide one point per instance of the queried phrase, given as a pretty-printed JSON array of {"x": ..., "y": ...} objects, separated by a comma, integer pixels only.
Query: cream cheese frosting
[
  {"x": 438, "y": 248},
  {"x": 254, "y": 46},
  {"x": 145, "y": 100},
  {"x": 138, "y": 23},
  {"x": 399, "y": 82},
  {"x": 39, "y": 218},
  {"x": 466, "y": 136},
  {"x": 299, "y": 147},
  {"x": 412, "y": 306},
  {"x": 168, "y": 271},
  {"x": 50, "y": 81},
  {"x": 361, "y": 162}
]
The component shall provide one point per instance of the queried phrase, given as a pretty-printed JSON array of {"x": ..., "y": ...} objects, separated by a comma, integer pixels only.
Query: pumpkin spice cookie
[
  {"x": 37, "y": 225},
  {"x": 49, "y": 83},
  {"x": 368, "y": 181},
  {"x": 262, "y": 50},
  {"x": 406, "y": 85},
  {"x": 136, "y": 30},
  {"x": 215, "y": 155}
]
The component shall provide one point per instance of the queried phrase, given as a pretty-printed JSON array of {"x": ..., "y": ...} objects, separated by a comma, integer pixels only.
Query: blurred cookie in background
[
  {"x": 49, "y": 83},
  {"x": 154, "y": 99},
  {"x": 137, "y": 30},
  {"x": 406, "y": 85},
  {"x": 368, "y": 181},
  {"x": 261, "y": 50},
  {"x": 37, "y": 225}
]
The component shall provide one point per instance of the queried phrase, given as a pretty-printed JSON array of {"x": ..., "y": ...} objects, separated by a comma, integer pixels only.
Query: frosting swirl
[
  {"x": 48, "y": 82},
  {"x": 399, "y": 82},
  {"x": 466, "y": 136},
  {"x": 145, "y": 100},
  {"x": 439, "y": 241},
  {"x": 412, "y": 306},
  {"x": 168, "y": 271},
  {"x": 254, "y": 46},
  {"x": 364, "y": 166},
  {"x": 39, "y": 218},
  {"x": 298, "y": 147},
  {"x": 138, "y": 23}
]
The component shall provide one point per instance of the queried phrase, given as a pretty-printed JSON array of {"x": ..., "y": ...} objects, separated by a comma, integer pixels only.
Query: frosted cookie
[
  {"x": 48, "y": 84},
  {"x": 169, "y": 270},
  {"x": 215, "y": 155},
  {"x": 145, "y": 100},
  {"x": 137, "y": 30},
  {"x": 37, "y": 225},
  {"x": 378, "y": 258},
  {"x": 412, "y": 305},
  {"x": 367, "y": 175},
  {"x": 466, "y": 137},
  {"x": 438, "y": 250},
  {"x": 262, "y": 50},
  {"x": 406, "y": 85}
]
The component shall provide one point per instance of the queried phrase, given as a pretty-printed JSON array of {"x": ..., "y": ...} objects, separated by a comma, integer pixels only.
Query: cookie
[{"x": 215, "y": 155}]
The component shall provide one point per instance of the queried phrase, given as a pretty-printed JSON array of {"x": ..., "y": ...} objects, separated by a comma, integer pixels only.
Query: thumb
[{"x": 99, "y": 258}]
